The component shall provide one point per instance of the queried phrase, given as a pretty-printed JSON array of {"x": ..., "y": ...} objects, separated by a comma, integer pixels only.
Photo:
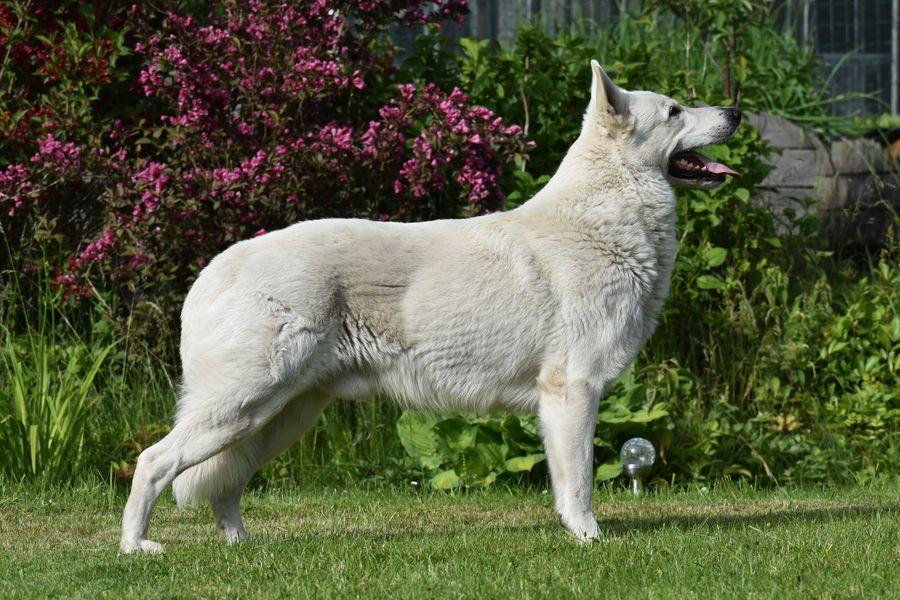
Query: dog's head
[{"x": 654, "y": 131}]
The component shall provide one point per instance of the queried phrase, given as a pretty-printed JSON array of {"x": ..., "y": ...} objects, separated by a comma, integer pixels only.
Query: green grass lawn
[{"x": 497, "y": 543}]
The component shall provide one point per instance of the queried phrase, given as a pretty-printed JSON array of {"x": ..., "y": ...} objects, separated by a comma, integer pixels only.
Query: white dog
[{"x": 535, "y": 309}]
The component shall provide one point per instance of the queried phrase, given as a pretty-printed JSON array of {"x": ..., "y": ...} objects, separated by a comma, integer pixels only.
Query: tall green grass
[
  {"x": 81, "y": 395},
  {"x": 46, "y": 378},
  {"x": 351, "y": 441},
  {"x": 73, "y": 389},
  {"x": 49, "y": 382}
]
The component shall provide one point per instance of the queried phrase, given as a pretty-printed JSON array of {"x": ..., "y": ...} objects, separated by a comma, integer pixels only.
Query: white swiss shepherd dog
[{"x": 537, "y": 309}]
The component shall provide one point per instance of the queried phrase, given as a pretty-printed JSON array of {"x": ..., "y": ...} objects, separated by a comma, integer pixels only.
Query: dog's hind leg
[
  {"x": 191, "y": 441},
  {"x": 202, "y": 430},
  {"x": 222, "y": 478},
  {"x": 239, "y": 374}
]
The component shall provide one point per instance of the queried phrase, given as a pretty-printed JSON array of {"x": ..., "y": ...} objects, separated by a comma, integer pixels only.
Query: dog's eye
[{"x": 674, "y": 111}]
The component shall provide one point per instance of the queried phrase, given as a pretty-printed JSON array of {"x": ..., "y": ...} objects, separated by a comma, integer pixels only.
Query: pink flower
[
  {"x": 96, "y": 250},
  {"x": 58, "y": 157},
  {"x": 15, "y": 184},
  {"x": 150, "y": 181}
]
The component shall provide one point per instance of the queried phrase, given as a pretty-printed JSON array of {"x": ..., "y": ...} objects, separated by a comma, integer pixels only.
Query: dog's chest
[{"x": 620, "y": 270}]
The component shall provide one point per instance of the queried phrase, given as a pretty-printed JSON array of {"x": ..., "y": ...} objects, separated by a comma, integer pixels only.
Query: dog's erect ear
[{"x": 609, "y": 105}]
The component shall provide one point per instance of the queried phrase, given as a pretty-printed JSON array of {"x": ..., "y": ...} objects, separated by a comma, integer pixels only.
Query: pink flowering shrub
[
  {"x": 58, "y": 60},
  {"x": 59, "y": 158},
  {"x": 262, "y": 114},
  {"x": 62, "y": 64},
  {"x": 15, "y": 188}
]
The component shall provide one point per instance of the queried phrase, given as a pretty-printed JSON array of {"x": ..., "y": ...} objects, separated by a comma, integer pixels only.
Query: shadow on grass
[
  {"x": 612, "y": 527},
  {"x": 618, "y": 527}
]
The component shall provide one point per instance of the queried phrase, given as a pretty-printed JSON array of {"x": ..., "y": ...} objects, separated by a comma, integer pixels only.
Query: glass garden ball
[{"x": 637, "y": 453}]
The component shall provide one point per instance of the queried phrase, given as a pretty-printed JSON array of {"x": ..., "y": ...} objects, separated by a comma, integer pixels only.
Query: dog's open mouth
[{"x": 693, "y": 167}]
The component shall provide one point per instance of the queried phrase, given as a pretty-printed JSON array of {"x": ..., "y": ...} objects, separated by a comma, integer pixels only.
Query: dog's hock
[
  {"x": 552, "y": 383},
  {"x": 609, "y": 104}
]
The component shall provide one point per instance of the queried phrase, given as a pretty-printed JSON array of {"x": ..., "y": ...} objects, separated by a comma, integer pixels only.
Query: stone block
[
  {"x": 844, "y": 191},
  {"x": 797, "y": 168},
  {"x": 857, "y": 157},
  {"x": 850, "y": 185},
  {"x": 787, "y": 205},
  {"x": 780, "y": 132}
]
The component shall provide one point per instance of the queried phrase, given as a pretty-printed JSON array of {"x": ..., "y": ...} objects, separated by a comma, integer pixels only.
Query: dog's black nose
[{"x": 734, "y": 114}]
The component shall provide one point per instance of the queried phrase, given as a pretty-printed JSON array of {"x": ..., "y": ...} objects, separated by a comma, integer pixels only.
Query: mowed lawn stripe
[{"x": 398, "y": 542}]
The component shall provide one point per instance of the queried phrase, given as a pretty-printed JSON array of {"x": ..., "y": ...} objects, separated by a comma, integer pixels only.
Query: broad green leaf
[
  {"x": 518, "y": 437},
  {"x": 518, "y": 464},
  {"x": 609, "y": 470},
  {"x": 417, "y": 435},
  {"x": 715, "y": 256},
  {"x": 615, "y": 414},
  {"x": 710, "y": 282},
  {"x": 456, "y": 432},
  {"x": 658, "y": 411},
  {"x": 483, "y": 458},
  {"x": 446, "y": 480}
]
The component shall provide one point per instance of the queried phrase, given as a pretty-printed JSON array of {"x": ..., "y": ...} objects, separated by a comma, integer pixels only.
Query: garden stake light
[{"x": 637, "y": 456}]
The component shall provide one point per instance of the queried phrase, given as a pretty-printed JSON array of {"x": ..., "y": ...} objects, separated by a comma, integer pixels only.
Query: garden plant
[
  {"x": 138, "y": 141},
  {"x": 121, "y": 177}
]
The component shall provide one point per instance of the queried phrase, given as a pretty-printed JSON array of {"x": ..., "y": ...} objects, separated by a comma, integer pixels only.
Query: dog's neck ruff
[{"x": 596, "y": 172}]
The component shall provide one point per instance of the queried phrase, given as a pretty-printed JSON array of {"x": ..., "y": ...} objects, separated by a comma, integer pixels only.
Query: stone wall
[{"x": 851, "y": 184}]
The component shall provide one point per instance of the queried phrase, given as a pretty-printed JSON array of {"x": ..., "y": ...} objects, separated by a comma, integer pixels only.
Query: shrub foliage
[
  {"x": 749, "y": 374},
  {"x": 257, "y": 116},
  {"x": 136, "y": 143}
]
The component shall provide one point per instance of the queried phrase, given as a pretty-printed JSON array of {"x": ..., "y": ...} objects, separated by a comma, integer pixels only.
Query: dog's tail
[{"x": 216, "y": 476}]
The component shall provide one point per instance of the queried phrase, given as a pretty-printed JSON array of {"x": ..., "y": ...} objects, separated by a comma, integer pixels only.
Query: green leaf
[
  {"x": 742, "y": 194},
  {"x": 608, "y": 470},
  {"x": 517, "y": 464},
  {"x": 446, "y": 480},
  {"x": 471, "y": 47},
  {"x": 456, "y": 432},
  {"x": 658, "y": 411},
  {"x": 416, "y": 432},
  {"x": 484, "y": 457},
  {"x": 714, "y": 256},
  {"x": 710, "y": 282},
  {"x": 520, "y": 434},
  {"x": 615, "y": 414}
]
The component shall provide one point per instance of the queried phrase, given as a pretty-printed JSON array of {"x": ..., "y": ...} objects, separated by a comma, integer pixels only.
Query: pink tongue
[{"x": 714, "y": 167}]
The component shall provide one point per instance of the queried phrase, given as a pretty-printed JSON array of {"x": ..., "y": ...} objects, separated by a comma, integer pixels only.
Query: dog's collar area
[{"x": 693, "y": 166}]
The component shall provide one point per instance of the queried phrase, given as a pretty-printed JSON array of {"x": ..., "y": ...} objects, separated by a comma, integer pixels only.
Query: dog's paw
[
  {"x": 140, "y": 547},
  {"x": 585, "y": 528},
  {"x": 236, "y": 536}
]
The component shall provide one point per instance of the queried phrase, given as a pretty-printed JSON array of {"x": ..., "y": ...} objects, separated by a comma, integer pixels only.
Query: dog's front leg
[{"x": 568, "y": 420}]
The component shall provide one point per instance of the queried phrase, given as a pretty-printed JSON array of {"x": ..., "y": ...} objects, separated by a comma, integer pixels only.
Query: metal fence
[{"x": 859, "y": 35}]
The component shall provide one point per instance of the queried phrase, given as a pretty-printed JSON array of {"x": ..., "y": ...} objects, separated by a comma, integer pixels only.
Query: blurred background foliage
[{"x": 776, "y": 359}]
